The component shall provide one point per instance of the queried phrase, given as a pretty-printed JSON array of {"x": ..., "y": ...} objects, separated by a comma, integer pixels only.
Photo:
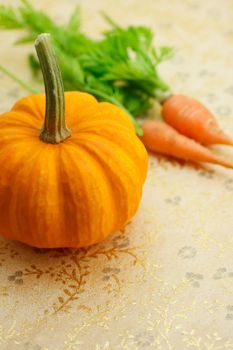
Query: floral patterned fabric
[{"x": 165, "y": 281}]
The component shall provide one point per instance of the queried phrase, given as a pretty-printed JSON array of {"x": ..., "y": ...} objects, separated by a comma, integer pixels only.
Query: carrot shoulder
[
  {"x": 194, "y": 120},
  {"x": 162, "y": 138}
]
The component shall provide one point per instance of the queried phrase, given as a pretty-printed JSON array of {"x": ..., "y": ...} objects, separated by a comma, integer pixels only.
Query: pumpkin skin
[{"x": 74, "y": 193}]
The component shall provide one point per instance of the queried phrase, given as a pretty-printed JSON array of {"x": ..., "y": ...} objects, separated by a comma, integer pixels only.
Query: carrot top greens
[{"x": 120, "y": 67}]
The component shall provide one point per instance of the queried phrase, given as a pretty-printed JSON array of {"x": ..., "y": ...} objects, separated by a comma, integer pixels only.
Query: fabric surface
[{"x": 165, "y": 281}]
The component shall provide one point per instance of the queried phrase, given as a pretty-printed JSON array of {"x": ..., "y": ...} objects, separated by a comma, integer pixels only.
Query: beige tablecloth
[{"x": 166, "y": 282}]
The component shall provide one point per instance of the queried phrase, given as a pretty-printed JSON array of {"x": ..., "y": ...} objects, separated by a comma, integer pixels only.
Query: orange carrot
[
  {"x": 192, "y": 119},
  {"x": 162, "y": 138}
]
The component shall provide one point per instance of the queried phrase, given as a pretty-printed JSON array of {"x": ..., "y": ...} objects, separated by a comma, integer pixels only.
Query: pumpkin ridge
[
  {"x": 124, "y": 142},
  {"x": 116, "y": 112},
  {"x": 14, "y": 214},
  {"x": 94, "y": 126},
  {"x": 96, "y": 196},
  {"x": 59, "y": 202},
  {"x": 121, "y": 191},
  {"x": 46, "y": 193},
  {"x": 76, "y": 113},
  {"x": 62, "y": 171},
  {"x": 102, "y": 169},
  {"x": 7, "y": 149},
  {"x": 17, "y": 121},
  {"x": 102, "y": 112},
  {"x": 33, "y": 105},
  {"x": 31, "y": 195}
]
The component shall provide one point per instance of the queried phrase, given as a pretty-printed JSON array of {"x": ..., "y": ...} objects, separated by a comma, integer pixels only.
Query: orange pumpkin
[{"x": 67, "y": 188}]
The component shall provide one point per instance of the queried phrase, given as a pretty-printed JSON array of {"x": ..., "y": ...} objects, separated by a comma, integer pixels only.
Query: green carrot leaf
[{"x": 120, "y": 67}]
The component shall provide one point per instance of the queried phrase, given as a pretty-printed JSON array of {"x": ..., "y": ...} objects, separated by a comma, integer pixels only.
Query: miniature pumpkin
[{"x": 67, "y": 187}]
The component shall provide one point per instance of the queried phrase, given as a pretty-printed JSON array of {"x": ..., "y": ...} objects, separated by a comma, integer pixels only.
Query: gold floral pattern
[{"x": 165, "y": 281}]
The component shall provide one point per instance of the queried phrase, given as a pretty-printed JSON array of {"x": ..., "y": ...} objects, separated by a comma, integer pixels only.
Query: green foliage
[{"x": 120, "y": 67}]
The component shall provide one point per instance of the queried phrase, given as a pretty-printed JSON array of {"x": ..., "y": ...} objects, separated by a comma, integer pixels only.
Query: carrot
[
  {"x": 194, "y": 120},
  {"x": 162, "y": 138}
]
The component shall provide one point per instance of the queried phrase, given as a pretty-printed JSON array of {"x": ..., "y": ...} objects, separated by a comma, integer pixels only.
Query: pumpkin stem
[{"x": 54, "y": 129}]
